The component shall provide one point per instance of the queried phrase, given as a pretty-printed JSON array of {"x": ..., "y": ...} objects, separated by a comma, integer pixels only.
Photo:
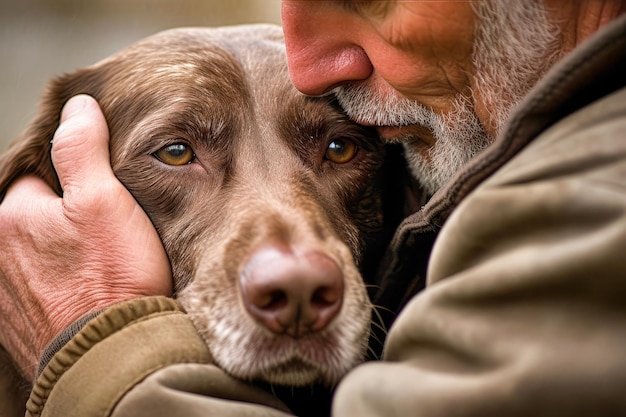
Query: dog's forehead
[
  {"x": 229, "y": 64},
  {"x": 184, "y": 49}
]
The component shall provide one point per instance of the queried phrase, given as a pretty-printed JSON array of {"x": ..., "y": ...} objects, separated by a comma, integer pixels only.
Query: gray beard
[{"x": 515, "y": 45}]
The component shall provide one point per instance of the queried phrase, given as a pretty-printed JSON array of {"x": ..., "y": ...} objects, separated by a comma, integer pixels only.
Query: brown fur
[{"x": 260, "y": 176}]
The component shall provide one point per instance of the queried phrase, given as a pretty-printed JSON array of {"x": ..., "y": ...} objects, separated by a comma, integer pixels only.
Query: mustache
[{"x": 366, "y": 105}]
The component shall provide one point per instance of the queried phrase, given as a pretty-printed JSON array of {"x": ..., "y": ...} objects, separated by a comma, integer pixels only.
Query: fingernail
[
  {"x": 74, "y": 106},
  {"x": 71, "y": 108}
]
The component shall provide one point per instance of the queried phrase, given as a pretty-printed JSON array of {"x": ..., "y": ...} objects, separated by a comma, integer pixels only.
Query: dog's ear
[{"x": 29, "y": 153}]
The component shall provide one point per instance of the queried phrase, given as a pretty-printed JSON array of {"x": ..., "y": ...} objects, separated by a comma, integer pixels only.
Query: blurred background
[{"x": 43, "y": 38}]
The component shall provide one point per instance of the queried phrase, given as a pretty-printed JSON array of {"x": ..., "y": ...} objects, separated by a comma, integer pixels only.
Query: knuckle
[{"x": 93, "y": 202}]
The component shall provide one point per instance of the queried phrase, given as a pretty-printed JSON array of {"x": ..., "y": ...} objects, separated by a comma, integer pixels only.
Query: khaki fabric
[
  {"x": 112, "y": 353},
  {"x": 142, "y": 357},
  {"x": 197, "y": 390}
]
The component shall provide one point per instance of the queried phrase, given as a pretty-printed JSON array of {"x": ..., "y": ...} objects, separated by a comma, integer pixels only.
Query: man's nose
[{"x": 321, "y": 53}]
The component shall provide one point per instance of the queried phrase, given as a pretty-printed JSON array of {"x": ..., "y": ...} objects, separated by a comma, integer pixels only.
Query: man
[{"x": 512, "y": 116}]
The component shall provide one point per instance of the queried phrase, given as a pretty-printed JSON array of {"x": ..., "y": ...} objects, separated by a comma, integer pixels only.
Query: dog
[{"x": 268, "y": 202}]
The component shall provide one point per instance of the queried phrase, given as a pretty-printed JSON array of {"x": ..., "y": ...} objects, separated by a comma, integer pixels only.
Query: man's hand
[{"x": 61, "y": 258}]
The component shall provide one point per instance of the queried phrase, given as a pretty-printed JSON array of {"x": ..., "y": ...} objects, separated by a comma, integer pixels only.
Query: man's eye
[
  {"x": 175, "y": 154},
  {"x": 341, "y": 151}
]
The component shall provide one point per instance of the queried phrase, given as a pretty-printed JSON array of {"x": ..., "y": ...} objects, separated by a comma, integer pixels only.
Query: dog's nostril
[
  {"x": 325, "y": 296},
  {"x": 275, "y": 300},
  {"x": 290, "y": 293}
]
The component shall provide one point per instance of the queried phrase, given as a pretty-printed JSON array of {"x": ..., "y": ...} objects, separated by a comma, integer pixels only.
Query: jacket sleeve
[
  {"x": 525, "y": 312},
  {"x": 142, "y": 357}
]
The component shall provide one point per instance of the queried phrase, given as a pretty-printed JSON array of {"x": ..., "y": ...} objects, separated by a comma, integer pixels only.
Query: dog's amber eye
[
  {"x": 341, "y": 151},
  {"x": 175, "y": 154}
]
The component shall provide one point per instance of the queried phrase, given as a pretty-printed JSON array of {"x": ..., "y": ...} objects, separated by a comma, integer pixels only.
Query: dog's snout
[{"x": 292, "y": 293}]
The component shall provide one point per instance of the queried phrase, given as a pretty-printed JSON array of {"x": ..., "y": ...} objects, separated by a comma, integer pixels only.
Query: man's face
[
  {"x": 429, "y": 74},
  {"x": 417, "y": 49}
]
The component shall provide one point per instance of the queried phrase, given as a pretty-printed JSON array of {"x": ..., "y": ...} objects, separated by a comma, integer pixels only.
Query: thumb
[{"x": 80, "y": 147}]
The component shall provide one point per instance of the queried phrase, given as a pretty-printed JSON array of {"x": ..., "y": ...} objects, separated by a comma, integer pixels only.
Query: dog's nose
[{"x": 292, "y": 293}]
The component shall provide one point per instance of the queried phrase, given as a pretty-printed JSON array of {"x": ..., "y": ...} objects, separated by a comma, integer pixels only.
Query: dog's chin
[
  {"x": 285, "y": 361},
  {"x": 246, "y": 351}
]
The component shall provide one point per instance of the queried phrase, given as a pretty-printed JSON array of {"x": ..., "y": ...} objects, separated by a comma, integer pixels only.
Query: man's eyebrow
[{"x": 371, "y": 8}]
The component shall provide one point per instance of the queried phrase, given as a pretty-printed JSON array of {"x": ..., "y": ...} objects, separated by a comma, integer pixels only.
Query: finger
[{"x": 80, "y": 148}]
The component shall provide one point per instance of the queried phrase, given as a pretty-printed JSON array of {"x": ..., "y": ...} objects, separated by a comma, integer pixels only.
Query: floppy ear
[{"x": 29, "y": 153}]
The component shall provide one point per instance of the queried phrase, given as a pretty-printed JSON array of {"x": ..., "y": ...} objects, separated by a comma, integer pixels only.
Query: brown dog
[{"x": 265, "y": 200}]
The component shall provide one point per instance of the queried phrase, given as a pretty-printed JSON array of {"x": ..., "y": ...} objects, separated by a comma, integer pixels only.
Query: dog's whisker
[
  {"x": 373, "y": 354},
  {"x": 379, "y": 322},
  {"x": 377, "y": 307},
  {"x": 379, "y": 326}
]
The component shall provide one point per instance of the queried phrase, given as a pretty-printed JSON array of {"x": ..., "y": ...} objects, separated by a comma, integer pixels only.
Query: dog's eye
[
  {"x": 341, "y": 151},
  {"x": 175, "y": 154}
]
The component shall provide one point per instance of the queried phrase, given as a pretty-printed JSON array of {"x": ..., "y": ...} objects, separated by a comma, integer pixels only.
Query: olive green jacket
[{"x": 523, "y": 256}]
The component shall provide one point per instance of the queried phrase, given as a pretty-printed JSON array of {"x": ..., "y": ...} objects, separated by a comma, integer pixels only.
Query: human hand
[{"x": 65, "y": 257}]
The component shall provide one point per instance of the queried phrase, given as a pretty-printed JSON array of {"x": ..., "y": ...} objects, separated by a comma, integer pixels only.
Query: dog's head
[{"x": 265, "y": 200}]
